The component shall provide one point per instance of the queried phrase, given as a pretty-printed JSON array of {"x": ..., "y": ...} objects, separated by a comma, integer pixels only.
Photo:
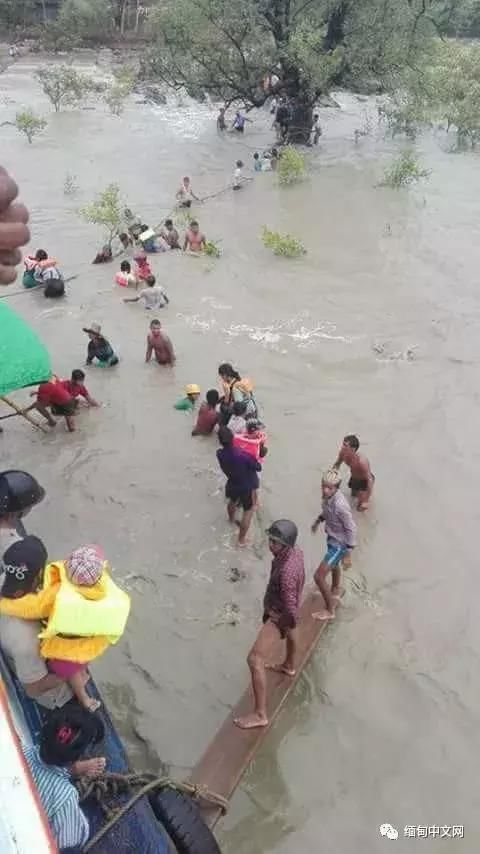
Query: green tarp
[{"x": 24, "y": 360}]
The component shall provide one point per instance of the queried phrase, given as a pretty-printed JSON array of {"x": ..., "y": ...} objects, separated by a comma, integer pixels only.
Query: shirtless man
[
  {"x": 194, "y": 239},
  {"x": 361, "y": 477},
  {"x": 185, "y": 193},
  {"x": 280, "y": 613}
]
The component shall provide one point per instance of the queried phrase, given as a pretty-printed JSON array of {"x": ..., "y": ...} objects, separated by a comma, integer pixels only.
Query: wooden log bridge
[{"x": 228, "y": 755}]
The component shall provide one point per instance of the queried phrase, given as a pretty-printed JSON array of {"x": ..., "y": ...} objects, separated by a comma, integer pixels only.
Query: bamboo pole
[{"x": 25, "y": 415}]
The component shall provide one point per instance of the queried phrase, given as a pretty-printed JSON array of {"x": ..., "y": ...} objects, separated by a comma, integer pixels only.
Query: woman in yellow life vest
[
  {"x": 235, "y": 389},
  {"x": 85, "y": 613}
]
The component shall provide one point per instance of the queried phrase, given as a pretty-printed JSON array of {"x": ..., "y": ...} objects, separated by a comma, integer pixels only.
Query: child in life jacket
[
  {"x": 84, "y": 610},
  {"x": 254, "y": 442},
  {"x": 125, "y": 278},
  {"x": 142, "y": 267}
]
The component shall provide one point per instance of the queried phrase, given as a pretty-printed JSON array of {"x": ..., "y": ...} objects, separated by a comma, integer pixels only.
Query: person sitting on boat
[
  {"x": 281, "y": 605},
  {"x": 25, "y": 559},
  {"x": 125, "y": 278},
  {"x": 85, "y": 613},
  {"x": 99, "y": 348},
  {"x": 185, "y": 194},
  {"x": 67, "y": 735},
  {"x": 234, "y": 389}
]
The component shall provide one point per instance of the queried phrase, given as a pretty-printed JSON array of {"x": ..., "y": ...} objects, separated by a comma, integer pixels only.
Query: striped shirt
[{"x": 60, "y": 801}]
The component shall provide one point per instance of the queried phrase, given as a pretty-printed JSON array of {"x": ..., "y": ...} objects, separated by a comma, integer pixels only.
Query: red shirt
[
  {"x": 206, "y": 420},
  {"x": 53, "y": 392},
  {"x": 74, "y": 389}
]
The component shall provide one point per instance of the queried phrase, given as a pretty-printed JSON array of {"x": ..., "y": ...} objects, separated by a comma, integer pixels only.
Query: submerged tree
[
  {"x": 30, "y": 124},
  {"x": 106, "y": 211},
  {"x": 63, "y": 85},
  {"x": 228, "y": 49}
]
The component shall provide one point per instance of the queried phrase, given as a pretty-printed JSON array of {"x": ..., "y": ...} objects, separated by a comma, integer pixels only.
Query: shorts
[
  {"x": 273, "y": 619},
  {"x": 108, "y": 363},
  {"x": 65, "y": 669},
  {"x": 186, "y": 204},
  {"x": 242, "y": 499},
  {"x": 358, "y": 484},
  {"x": 239, "y": 130},
  {"x": 64, "y": 408},
  {"x": 335, "y": 553}
]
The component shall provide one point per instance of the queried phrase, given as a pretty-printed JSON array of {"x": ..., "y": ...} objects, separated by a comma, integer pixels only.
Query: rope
[{"x": 111, "y": 785}]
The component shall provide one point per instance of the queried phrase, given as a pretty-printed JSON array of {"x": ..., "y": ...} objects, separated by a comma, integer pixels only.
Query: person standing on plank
[
  {"x": 361, "y": 477},
  {"x": 280, "y": 605},
  {"x": 341, "y": 534}
]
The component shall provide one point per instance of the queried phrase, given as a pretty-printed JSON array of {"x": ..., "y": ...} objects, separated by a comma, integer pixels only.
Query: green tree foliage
[
  {"x": 226, "y": 48},
  {"x": 87, "y": 19},
  {"x": 405, "y": 170},
  {"x": 116, "y": 95},
  {"x": 17, "y": 13},
  {"x": 291, "y": 166},
  {"x": 106, "y": 211},
  {"x": 30, "y": 124},
  {"x": 282, "y": 244},
  {"x": 447, "y": 90},
  {"x": 63, "y": 85}
]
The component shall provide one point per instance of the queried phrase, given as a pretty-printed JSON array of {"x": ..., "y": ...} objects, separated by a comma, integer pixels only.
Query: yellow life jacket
[{"x": 75, "y": 615}]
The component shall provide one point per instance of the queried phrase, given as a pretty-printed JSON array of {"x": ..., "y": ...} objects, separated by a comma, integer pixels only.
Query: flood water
[{"x": 384, "y": 724}]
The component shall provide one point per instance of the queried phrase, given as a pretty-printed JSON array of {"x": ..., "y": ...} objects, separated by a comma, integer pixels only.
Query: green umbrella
[{"x": 24, "y": 360}]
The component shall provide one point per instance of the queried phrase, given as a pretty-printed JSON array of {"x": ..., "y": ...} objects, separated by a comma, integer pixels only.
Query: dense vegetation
[{"x": 242, "y": 51}]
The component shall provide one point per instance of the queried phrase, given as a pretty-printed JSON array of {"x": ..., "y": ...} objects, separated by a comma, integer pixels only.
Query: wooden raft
[{"x": 231, "y": 750}]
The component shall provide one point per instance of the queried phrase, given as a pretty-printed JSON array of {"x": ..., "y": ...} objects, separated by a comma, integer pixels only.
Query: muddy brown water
[{"x": 384, "y": 725}]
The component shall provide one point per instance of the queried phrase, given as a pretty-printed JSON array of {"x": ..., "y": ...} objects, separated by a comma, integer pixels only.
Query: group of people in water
[{"x": 55, "y": 592}]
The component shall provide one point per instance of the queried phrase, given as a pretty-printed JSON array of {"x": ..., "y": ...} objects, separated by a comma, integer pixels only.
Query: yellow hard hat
[{"x": 192, "y": 388}]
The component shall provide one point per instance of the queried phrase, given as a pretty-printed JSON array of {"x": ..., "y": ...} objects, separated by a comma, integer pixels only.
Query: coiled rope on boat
[{"x": 103, "y": 789}]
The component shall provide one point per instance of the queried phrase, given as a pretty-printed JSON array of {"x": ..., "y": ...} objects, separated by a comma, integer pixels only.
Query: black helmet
[
  {"x": 283, "y": 531},
  {"x": 18, "y": 491}
]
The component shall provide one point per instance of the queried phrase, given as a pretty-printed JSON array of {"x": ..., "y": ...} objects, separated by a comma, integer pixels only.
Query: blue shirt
[
  {"x": 240, "y": 468},
  {"x": 60, "y": 801}
]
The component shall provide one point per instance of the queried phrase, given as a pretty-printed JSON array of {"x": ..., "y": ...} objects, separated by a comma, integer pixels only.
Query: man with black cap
[
  {"x": 22, "y": 559},
  {"x": 280, "y": 606},
  {"x": 65, "y": 737}
]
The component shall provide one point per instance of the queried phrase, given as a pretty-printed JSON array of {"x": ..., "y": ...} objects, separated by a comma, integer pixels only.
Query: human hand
[
  {"x": 314, "y": 528},
  {"x": 13, "y": 228}
]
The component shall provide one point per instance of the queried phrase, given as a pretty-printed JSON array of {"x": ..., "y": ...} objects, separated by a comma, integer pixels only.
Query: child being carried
[{"x": 84, "y": 612}]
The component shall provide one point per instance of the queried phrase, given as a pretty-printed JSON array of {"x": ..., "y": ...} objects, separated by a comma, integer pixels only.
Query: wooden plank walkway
[{"x": 228, "y": 755}]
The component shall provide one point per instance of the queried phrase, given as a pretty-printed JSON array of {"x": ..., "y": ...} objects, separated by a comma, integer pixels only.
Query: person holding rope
[
  {"x": 67, "y": 735},
  {"x": 235, "y": 388},
  {"x": 185, "y": 194}
]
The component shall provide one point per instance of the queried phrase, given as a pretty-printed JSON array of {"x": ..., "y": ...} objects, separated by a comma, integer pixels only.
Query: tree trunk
[
  {"x": 301, "y": 122},
  {"x": 123, "y": 16},
  {"x": 335, "y": 34}
]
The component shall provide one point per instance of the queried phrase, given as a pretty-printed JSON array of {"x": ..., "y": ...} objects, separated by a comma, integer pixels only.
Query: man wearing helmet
[
  {"x": 22, "y": 559},
  {"x": 280, "y": 612},
  {"x": 341, "y": 534}
]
